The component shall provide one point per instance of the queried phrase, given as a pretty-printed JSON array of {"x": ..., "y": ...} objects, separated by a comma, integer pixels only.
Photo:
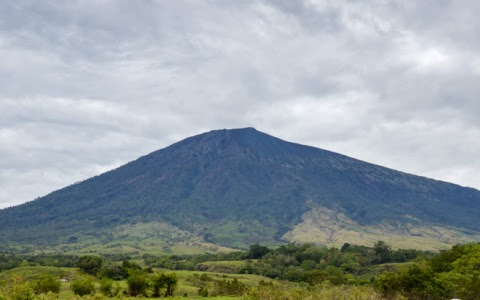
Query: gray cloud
[{"x": 86, "y": 85}]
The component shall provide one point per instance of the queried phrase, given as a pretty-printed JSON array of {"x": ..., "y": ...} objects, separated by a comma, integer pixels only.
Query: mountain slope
[{"x": 240, "y": 186}]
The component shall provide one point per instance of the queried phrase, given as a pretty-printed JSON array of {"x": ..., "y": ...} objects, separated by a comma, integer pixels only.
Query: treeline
[
  {"x": 299, "y": 263},
  {"x": 11, "y": 261},
  {"x": 453, "y": 273}
]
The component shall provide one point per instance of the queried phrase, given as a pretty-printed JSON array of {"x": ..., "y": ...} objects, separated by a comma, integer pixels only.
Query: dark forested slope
[{"x": 240, "y": 186}]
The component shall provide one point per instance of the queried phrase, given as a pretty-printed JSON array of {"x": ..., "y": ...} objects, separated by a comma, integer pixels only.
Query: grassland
[
  {"x": 327, "y": 227},
  {"x": 189, "y": 282}
]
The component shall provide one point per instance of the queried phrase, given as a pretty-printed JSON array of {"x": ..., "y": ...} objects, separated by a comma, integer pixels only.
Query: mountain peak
[{"x": 240, "y": 186}]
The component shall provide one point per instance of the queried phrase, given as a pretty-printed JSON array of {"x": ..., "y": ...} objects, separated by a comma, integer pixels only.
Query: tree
[
  {"x": 256, "y": 251},
  {"x": 90, "y": 264},
  {"x": 171, "y": 282},
  {"x": 382, "y": 252},
  {"x": 137, "y": 283},
  {"x": 158, "y": 284}
]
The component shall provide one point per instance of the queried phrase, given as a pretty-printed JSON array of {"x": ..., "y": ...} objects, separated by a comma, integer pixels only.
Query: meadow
[{"x": 288, "y": 272}]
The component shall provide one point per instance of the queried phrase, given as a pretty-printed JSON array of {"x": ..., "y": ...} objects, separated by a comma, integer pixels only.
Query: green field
[
  {"x": 188, "y": 285},
  {"x": 188, "y": 281}
]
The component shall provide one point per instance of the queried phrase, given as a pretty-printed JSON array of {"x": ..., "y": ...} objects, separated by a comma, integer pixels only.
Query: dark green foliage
[
  {"x": 46, "y": 283},
  {"x": 163, "y": 282},
  {"x": 205, "y": 277},
  {"x": 171, "y": 284},
  {"x": 203, "y": 292},
  {"x": 83, "y": 286},
  {"x": 257, "y": 251},
  {"x": 90, "y": 264},
  {"x": 190, "y": 262},
  {"x": 8, "y": 262},
  {"x": 453, "y": 273},
  {"x": 382, "y": 251},
  {"x": 113, "y": 271},
  {"x": 137, "y": 283},
  {"x": 129, "y": 265},
  {"x": 413, "y": 282},
  {"x": 300, "y": 263},
  {"x": 11, "y": 261},
  {"x": 243, "y": 186}
]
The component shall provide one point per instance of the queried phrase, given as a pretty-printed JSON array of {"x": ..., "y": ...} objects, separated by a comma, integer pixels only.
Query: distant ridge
[{"x": 241, "y": 186}]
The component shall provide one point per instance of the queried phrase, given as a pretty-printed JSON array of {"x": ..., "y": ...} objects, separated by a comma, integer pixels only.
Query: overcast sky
[{"x": 86, "y": 86}]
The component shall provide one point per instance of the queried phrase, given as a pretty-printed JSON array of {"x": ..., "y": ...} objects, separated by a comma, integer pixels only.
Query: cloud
[{"x": 86, "y": 85}]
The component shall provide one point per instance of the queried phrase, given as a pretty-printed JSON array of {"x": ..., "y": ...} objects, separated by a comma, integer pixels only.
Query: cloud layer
[{"x": 86, "y": 86}]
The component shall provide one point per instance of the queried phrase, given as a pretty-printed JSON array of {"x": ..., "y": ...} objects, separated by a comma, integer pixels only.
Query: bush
[
  {"x": 106, "y": 286},
  {"x": 112, "y": 271},
  {"x": 203, "y": 292},
  {"x": 137, "y": 283},
  {"x": 228, "y": 288},
  {"x": 90, "y": 264},
  {"x": 171, "y": 281},
  {"x": 164, "y": 281},
  {"x": 46, "y": 283},
  {"x": 18, "y": 290},
  {"x": 21, "y": 292},
  {"x": 83, "y": 286}
]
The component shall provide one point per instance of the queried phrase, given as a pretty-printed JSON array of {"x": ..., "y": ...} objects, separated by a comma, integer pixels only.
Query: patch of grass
[
  {"x": 31, "y": 273},
  {"x": 327, "y": 227}
]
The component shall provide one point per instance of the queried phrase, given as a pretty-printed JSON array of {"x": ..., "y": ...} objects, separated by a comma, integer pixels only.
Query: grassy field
[{"x": 190, "y": 281}]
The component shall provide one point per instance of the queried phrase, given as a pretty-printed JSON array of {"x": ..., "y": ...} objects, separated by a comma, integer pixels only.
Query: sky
[{"x": 86, "y": 86}]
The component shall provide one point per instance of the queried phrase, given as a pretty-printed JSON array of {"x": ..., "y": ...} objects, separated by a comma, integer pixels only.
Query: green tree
[
  {"x": 137, "y": 283},
  {"x": 382, "y": 252},
  {"x": 171, "y": 284},
  {"x": 256, "y": 251},
  {"x": 158, "y": 283},
  {"x": 90, "y": 264}
]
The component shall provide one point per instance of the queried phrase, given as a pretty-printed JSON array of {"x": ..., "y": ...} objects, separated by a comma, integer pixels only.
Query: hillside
[{"x": 241, "y": 186}]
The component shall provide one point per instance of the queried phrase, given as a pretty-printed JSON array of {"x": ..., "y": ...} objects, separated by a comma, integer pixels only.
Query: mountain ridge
[{"x": 232, "y": 187}]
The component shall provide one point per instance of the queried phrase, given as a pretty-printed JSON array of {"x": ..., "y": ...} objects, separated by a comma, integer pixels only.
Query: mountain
[{"x": 236, "y": 187}]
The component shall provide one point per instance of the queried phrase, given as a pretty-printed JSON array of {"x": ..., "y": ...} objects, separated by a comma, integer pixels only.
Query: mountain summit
[{"x": 241, "y": 186}]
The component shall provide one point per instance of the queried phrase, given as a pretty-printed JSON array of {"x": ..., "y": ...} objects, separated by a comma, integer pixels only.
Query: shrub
[
  {"x": 46, "y": 283},
  {"x": 158, "y": 283},
  {"x": 106, "y": 286},
  {"x": 90, "y": 264},
  {"x": 18, "y": 290},
  {"x": 171, "y": 281},
  {"x": 83, "y": 286},
  {"x": 164, "y": 281},
  {"x": 112, "y": 271},
  {"x": 137, "y": 283},
  {"x": 203, "y": 292},
  {"x": 21, "y": 292},
  {"x": 228, "y": 288},
  {"x": 205, "y": 277}
]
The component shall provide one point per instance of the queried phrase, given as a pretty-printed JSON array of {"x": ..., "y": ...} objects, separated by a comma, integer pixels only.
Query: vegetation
[
  {"x": 287, "y": 272},
  {"x": 83, "y": 286},
  {"x": 46, "y": 283},
  {"x": 451, "y": 274},
  {"x": 298, "y": 263}
]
